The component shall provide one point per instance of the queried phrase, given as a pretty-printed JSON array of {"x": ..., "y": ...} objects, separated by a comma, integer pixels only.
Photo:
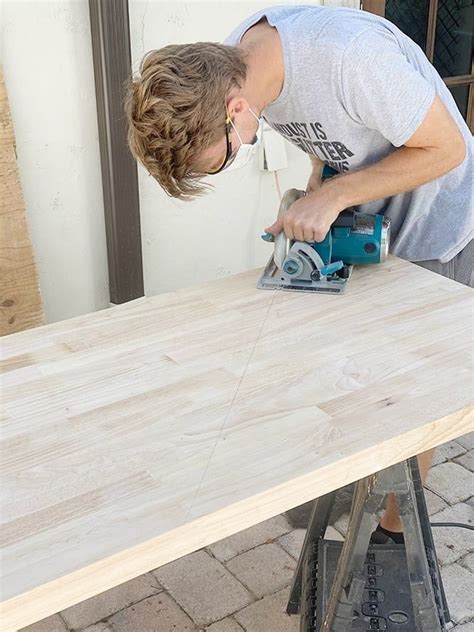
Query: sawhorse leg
[
  {"x": 317, "y": 526},
  {"x": 350, "y": 578}
]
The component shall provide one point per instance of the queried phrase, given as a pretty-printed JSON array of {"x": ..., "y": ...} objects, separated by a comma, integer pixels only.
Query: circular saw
[{"x": 355, "y": 238}]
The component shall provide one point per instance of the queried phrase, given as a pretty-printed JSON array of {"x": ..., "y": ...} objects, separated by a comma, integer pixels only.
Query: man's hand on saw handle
[{"x": 310, "y": 217}]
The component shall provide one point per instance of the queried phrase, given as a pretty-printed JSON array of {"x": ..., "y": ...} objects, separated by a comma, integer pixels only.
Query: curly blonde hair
[{"x": 176, "y": 109}]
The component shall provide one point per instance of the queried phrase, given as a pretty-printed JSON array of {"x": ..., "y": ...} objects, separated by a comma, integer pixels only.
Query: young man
[{"x": 350, "y": 90}]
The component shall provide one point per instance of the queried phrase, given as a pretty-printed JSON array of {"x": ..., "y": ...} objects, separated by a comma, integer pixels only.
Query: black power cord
[{"x": 452, "y": 524}]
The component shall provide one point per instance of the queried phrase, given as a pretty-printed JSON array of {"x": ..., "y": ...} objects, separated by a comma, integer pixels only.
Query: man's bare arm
[{"x": 435, "y": 148}]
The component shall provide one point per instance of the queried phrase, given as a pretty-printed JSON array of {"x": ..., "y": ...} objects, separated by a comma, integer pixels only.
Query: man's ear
[{"x": 236, "y": 105}]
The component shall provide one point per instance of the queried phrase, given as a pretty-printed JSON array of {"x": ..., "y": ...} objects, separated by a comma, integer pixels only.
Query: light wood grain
[
  {"x": 20, "y": 300},
  {"x": 137, "y": 434}
]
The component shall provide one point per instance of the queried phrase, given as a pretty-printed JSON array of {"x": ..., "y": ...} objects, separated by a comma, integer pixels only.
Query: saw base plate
[{"x": 273, "y": 278}]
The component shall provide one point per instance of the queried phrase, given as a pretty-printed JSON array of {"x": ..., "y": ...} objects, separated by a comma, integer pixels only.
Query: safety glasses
[{"x": 228, "y": 154}]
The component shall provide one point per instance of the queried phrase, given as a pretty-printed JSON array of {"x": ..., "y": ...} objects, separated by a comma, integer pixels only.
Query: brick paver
[
  {"x": 453, "y": 542},
  {"x": 453, "y": 482},
  {"x": 468, "y": 562},
  {"x": 159, "y": 613},
  {"x": 226, "y": 625},
  {"x": 269, "y": 614},
  {"x": 105, "y": 604},
  {"x": 292, "y": 542},
  {"x": 203, "y": 587},
  {"x": 447, "y": 452},
  {"x": 467, "y": 460},
  {"x": 466, "y": 627},
  {"x": 263, "y": 570},
  {"x": 434, "y": 503},
  {"x": 250, "y": 538},
  {"x": 457, "y": 582},
  {"x": 467, "y": 441}
]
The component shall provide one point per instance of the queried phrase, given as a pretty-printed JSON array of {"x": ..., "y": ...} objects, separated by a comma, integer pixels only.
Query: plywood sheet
[
  {"x": 136, "y": 434},
  {"x": 20, "y": 300}
]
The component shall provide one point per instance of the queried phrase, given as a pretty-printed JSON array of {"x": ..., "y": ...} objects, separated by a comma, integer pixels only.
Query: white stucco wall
[{"x": 46, "y": 53}]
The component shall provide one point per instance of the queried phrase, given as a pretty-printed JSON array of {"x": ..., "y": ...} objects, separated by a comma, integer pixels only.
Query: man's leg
[{"x": 391, "y": 518}]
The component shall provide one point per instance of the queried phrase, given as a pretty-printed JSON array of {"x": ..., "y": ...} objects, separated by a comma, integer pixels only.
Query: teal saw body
[{"x": 355, "y": 238}]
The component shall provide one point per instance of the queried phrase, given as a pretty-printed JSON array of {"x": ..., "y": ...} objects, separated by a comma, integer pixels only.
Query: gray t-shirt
[{"x": 355, "y": 89}]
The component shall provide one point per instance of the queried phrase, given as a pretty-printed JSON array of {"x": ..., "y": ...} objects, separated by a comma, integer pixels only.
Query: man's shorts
[{"x": 460, "y": 268}]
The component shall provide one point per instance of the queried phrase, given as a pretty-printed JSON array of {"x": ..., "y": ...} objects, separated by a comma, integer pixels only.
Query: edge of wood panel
[{"x": 50, "y": 598}]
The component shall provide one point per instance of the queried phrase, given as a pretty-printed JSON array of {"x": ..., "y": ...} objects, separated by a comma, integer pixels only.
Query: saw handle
[{"x": 345, "y": 219}]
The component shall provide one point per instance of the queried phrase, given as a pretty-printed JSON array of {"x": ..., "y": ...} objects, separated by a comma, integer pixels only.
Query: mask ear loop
[
  {"x": 257, "y": 118},
  {"x": 235, "y": 130}
]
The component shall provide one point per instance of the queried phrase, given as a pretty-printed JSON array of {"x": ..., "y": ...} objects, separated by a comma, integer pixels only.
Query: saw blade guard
[{"x": 282, "y": 244}]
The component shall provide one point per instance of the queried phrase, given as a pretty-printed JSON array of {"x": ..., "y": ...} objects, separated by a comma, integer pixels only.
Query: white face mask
[{"x": 246, "y": 151}]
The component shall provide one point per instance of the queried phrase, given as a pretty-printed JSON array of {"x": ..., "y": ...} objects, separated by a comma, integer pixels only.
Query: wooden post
[
  {"x": 431, "y": 30},
  {"x": 20, "y": 300},
  {"x": 374, "y": 6}
]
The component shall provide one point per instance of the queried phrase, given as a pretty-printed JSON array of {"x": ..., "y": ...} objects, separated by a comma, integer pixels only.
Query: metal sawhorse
[{"x": 362, "y": 586}]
